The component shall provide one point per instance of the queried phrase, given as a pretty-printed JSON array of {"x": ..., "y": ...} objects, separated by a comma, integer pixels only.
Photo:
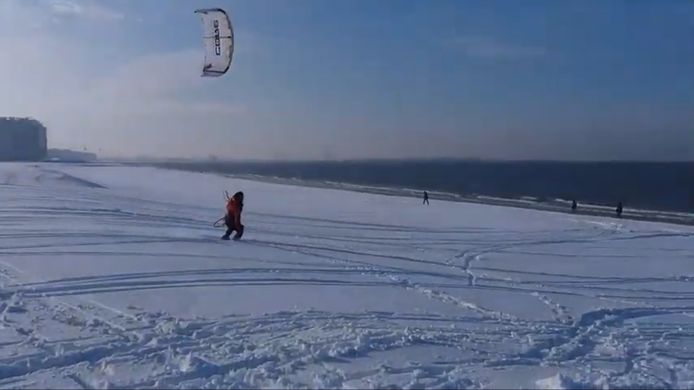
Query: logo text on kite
[
  {"x": 217, "y": 45},
  {"x": 218, "y": 39}
]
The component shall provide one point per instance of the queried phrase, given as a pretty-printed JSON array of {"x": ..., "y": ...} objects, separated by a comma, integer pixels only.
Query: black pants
[{"x": 231, "y": 227}]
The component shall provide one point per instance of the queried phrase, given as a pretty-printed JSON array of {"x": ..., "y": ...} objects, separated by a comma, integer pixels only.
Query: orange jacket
[{"x": 234, "y": 211}]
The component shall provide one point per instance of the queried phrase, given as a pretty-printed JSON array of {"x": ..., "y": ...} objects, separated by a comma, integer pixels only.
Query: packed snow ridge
[{"x": 113, "y": 276}]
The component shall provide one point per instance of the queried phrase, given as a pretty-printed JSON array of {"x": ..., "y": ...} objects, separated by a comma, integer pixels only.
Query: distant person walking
[
  {"x": 619, "y": 210},
  {"x": 574, "y": 206},
  {"x": 426, "y": 198}
]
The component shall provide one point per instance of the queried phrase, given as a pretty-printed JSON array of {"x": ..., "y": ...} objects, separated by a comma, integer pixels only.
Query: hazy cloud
[
  {"x": 92, "y": 10},
  {"x": 18, "y": 15},
  {"x": 147, "y": 105}
]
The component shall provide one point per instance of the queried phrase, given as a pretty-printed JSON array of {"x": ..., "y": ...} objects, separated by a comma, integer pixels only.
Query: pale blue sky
[{"x": 358, "y": 79}]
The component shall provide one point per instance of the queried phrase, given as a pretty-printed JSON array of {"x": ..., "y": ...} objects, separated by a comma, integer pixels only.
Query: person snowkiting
[{"x": 232, "y": 219}]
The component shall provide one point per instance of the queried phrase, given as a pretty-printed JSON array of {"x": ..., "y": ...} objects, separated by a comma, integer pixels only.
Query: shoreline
[{"x": 556, "y": 205}]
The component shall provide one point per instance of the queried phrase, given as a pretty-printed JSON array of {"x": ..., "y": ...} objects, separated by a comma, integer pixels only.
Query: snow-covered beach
[{"x": 113, "y": 276}]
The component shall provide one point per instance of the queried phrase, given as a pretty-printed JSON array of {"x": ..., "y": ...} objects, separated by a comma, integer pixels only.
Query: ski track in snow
[{"x": 110, "y": 280}]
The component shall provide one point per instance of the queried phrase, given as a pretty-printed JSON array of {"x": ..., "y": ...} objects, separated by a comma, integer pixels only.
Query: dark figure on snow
[
  {"x": 426, "y": 198},
  {"x": 574, "y": 206},
  {"x": 233, "y": 217},
  {"x": 619, "y": 210}
]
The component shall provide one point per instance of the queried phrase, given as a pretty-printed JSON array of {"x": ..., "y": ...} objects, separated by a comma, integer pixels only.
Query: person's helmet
[{"x": 238, "y": 196}]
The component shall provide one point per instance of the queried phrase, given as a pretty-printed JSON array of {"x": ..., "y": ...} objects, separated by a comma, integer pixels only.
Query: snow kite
[{"x": 218, "y": 38}]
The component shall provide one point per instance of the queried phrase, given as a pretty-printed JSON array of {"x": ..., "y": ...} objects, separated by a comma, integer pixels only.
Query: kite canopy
[{"x": 218, "y": 39}]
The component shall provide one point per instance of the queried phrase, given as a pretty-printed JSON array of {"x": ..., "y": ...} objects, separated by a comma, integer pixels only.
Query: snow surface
[{"x": 112, "y": 276}]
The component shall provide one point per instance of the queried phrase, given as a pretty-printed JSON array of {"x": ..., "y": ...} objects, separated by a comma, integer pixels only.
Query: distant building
[{"x": 22, "y": 139}]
